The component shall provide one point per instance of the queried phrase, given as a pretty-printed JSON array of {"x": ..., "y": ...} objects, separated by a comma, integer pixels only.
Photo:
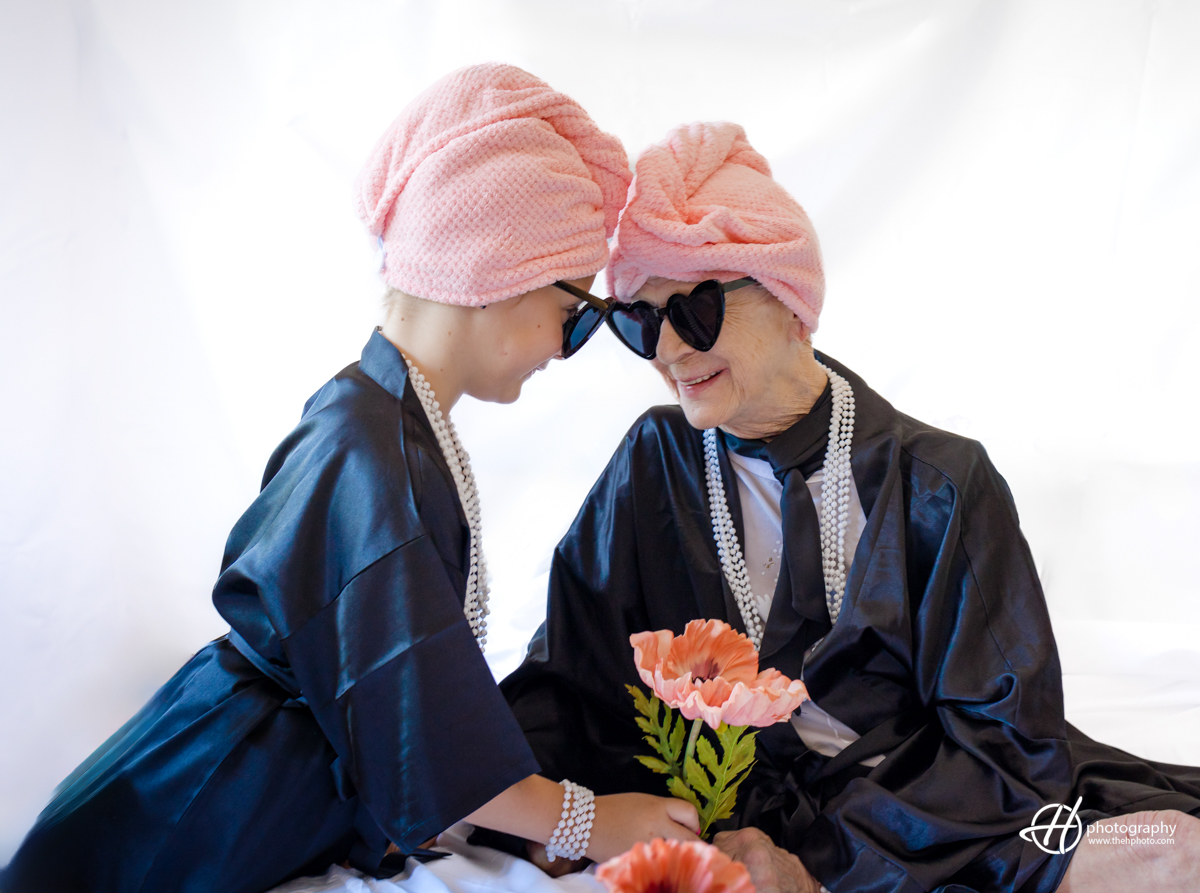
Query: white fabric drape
[
  {"x": 1007, "y": 194},
  {"x": 469, "y": 870}
]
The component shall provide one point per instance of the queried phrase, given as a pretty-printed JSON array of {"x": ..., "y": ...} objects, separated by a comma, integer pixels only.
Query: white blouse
[{"x": 760, "y": 495}]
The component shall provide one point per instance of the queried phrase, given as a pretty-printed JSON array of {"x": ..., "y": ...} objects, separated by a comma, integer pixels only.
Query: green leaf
[
  {"x": 697, "y": 778},
  {"x": 743, "y": 754},
  {"x": 724, "y": 807},
  {"x": 665, "y": 735},
  {"x": 654, "y": 765},
  {"x": 729, "y": 735},
  {"x": 677, "y": 735},
  {"x": 727, "y": 800},
  {"x": 706, "y": 754},
  {"x": 737, "y": 782},
  {"x": 657, "y": 747},
  {"x": 737, "y": 757},
  {"x": 664, "y": 728},
  {"x": 678, "y": 789},
  {"x": 640, "y": 703}
]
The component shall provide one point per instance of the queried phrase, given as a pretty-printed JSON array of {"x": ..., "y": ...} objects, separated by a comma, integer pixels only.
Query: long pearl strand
[
  {"x": 835, "y": 513},
  {"x": 835, "y": 493},
  {"x": 728, "y": 548},
  {"x": 475, "y": 607}
]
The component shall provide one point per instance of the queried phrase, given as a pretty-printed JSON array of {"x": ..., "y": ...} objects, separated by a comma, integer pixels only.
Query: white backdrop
[{"x": 1007, "y": 194}]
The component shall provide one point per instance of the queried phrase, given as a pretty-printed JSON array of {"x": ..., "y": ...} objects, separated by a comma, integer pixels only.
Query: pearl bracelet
[{"x": 570, "y": 838}]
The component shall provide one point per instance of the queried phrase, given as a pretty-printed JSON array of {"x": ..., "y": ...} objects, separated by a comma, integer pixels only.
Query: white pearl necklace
[
  {"x": 835, "y": 513},
  {"x": 728, "y": 548},
  {"x": 475, "y": 607}
]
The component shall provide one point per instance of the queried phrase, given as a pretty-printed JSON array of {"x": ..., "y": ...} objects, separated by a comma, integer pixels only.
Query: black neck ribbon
[{"x": 795, "y": 455}]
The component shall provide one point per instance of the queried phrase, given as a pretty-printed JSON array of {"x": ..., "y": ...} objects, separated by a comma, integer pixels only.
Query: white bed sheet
[
  {"x": 1133, "y": 685},
  {"x": 470, "y": 870}
]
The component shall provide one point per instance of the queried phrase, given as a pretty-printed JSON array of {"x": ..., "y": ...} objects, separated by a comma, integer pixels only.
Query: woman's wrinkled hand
[{"x": 772, "y": 870}]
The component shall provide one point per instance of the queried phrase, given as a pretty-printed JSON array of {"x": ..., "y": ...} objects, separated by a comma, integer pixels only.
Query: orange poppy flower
[
  {"x": 672, "y": 866},
  {"x": 711, "y": 672}
]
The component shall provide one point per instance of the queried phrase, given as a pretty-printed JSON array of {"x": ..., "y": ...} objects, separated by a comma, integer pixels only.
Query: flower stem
[{"x": 691, "y": 744}]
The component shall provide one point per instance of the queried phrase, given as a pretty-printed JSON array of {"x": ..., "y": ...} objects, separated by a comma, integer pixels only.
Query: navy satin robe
[
  {"x": 348, "y": 706},
  {"x": 943, "y": 658}
]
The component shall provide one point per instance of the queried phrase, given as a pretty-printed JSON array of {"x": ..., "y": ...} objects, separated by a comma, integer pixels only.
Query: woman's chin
[{"x": 701, "y": 414}]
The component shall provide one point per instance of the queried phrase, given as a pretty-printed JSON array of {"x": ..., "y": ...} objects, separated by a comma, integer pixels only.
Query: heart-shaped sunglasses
[{"x": 696, "y": 318}]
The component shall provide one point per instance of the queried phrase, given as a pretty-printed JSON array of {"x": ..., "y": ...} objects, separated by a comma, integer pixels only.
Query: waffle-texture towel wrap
[
  {"x": 704, "y": 206},
  {"x": 491, "y": 184}
]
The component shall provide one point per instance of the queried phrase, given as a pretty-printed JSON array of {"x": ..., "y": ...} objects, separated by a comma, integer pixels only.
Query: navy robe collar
[{"x": 382, "y": 362}]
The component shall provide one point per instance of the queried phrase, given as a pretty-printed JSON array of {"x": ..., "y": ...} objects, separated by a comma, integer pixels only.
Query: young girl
[{"x": 350, "y": 707}]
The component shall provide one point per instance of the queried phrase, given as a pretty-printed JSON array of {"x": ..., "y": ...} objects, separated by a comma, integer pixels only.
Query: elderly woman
[{"x": 873, "y": 556}]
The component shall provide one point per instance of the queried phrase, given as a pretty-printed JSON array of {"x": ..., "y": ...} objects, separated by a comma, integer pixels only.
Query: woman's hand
[
  {"x": 772, "y": 870},
  {"x": 624, "y": 819}
]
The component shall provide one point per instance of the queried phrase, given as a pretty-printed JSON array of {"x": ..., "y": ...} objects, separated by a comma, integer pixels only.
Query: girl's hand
[
  {"x": 625, "y": 819},
  {"x": 532, "y": 807}
]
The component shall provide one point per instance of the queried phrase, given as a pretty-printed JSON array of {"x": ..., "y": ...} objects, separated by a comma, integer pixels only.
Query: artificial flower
[
  {"x": 711, "y": 672},
  {"x": 673, "y": 866}
]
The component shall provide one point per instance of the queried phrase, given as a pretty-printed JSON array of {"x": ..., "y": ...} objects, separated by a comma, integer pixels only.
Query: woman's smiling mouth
[{"x": 692, "y": 385}]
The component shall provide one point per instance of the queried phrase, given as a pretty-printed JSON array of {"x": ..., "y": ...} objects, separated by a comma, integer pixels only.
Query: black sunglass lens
[
  {"x": 697, "y": 317},
  {"x": 580, "y": 327},
  {"x": 638, "y": 327}
]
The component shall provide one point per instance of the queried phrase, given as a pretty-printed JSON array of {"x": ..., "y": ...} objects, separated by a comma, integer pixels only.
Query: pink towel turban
[
  {"x": 491, "y": 184},
  {"x": 703, "y": 206}
]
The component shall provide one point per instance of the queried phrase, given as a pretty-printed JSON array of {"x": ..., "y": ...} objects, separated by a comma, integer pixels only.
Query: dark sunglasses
[
  {"x": 583, "y": 323},
  {"x": 696, "y": 317}
]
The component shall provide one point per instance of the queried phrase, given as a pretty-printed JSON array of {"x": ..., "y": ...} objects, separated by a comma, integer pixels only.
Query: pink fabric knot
[
  {"x": 703, "y": 205},
  {"x": 491, "y": 184}
]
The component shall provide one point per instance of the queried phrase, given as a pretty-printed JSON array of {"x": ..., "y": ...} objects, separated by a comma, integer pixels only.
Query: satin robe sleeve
[
  {"x": 334, "y": 578},
  {"x": 947, "y": 803}
]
